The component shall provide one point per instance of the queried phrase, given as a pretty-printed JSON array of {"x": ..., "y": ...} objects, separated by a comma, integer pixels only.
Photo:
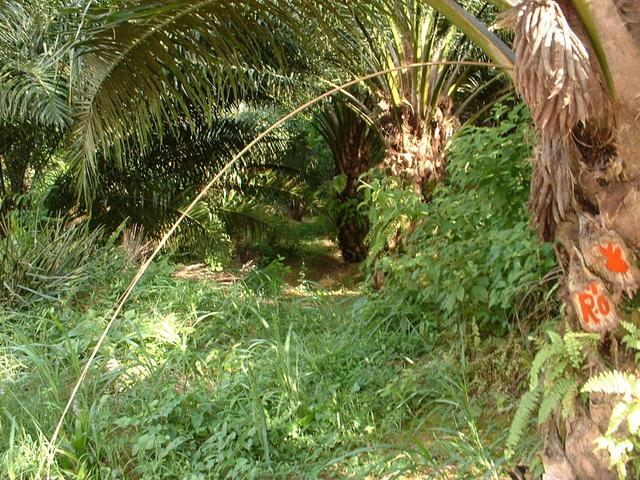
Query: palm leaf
[
  {"x": 477, "y": 32},
  {"x": 33, "y": 88},
  {"x": 153, "y": 64}
]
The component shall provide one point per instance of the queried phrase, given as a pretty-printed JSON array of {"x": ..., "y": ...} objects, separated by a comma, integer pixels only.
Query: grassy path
[{"x": 289, "y": 373}]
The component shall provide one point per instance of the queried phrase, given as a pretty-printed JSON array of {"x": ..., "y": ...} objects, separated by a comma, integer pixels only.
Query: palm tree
[
  {"x": 134, "y": 91},
  {"x": 574, "y": 73},
  {"x": 33, "y": 110},
  {"x": 355, "y": 146},
  {"x": 416, "y": 106},
  {"x": 116, "y": 78},
  {"x": 576, "y": 66},
  {"x": 249, "y": 203}
]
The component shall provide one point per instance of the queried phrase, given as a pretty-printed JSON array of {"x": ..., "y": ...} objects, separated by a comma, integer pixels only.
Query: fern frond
[
  {"x": 540, "y": 361},
  {"x": 613, "y": 383},
  {"x": 575, "y": 344},
  {"x": 618, "y": 417},
  {"x": 554, "y": 337},
  {"x": 633, "y": 418},
  {"x": 528, "y": 403},
  {"x": 632, "y": 339},
  {"x": 557, "y": 394}
]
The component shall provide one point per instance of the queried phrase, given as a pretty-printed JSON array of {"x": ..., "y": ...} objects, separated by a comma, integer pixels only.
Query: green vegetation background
[{"x": 278, "y": 376}]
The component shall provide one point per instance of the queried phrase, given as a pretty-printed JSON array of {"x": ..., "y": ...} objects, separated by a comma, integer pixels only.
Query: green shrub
[
  {"x": 50, "y": 258},
  {"x": 269, "y": 280},
  {"x": 468, "y": 254}
]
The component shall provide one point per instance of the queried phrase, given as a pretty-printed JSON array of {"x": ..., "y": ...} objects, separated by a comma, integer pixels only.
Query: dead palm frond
[{"x": 554, "y": 71}]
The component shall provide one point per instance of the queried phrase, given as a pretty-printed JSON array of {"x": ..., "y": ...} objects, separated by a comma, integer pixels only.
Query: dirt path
[
  {"x": 318, "y": 262},
  {"x": 321, "y": 263}
]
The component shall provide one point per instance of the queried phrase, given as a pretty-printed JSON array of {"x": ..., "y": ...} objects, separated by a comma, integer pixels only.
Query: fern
[
  {"x": 553, "y": 381},
  {"x": 540, "y": 361},
  {"x": 575, "y": 343},
  {"x": 557, "y": 394},
  {"x": 528, "y": 404},
  {"x": 633, "y": 418},
  {"x": 613, "y": 383},
  {"x": 618, "y": 417},
  {"x": 632, "y": 339},
  {"x": 554, "y": 337},
  {"x": 622, "y": 436}
]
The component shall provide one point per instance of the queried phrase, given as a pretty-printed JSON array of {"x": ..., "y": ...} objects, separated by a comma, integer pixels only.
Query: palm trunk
[
  {"x": 415, "y": 147},
  {"x": 585, "y": 192},
  {"x": 352, "y": 226},
  {"x": 354, "y": 146}
]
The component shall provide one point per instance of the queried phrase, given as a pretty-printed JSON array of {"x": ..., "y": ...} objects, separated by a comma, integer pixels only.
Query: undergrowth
[
  {"x": 467, "y": 258},
  {"x": 200, "y": 380},
  {"x": 260, "y": 379}
]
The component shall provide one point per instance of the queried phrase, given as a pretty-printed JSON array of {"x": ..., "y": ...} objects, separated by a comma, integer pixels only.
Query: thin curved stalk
[{"x": 47, "y": 461}]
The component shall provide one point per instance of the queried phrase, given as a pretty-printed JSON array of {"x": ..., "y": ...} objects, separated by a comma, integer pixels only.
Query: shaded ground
[
  {"x": 317, "y": 260},
  {"x": 321, "y": 263}
]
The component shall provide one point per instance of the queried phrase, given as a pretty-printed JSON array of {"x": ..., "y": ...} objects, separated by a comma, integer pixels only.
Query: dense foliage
[
  {"x": 258, "y": 378},
  {"x": 468, "y": 256},
  {"x": 352, "y": 290},
  {"x": 201, "y": 379}
]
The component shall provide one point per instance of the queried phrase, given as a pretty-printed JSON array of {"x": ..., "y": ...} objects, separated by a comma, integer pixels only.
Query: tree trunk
[
  {"x": 585, "y": 191},
  {"x": 353, "y": 143},
  {"x": 415, "y": 148},
  {"x": 353, "y": 226}
]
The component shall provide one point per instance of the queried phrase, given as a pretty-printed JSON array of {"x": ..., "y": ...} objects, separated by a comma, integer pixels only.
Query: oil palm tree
[
  {"x": 248, "y": 203},
  {"x": 416, "y": 106},
  {"x": 576, "y": 67},
  {"x": 118, "y": 88},
  {"x": 356, "y": 147},
  {"x": 33, "y": 110},
  {"x": 116, "y": 77}
]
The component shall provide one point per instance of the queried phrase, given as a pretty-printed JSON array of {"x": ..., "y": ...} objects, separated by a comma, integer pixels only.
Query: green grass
[{"x": 199, "y": 380}]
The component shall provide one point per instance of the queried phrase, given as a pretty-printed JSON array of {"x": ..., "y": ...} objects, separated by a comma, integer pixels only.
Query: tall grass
[{"x": 207, "y": 381}]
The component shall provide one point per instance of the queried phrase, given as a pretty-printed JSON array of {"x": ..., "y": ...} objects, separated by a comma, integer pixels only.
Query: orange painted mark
[
  {"x": 593, "y": 306},
  {"x": 613, "y": 256}
]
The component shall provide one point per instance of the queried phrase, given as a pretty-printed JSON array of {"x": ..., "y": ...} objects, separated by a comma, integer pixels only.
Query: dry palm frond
[
  {"x": 553, "y": 71},
  {"x": 630, "y": 13},
  {"x": 596, "y": 142},
  {"x": 551, "y": 186}
]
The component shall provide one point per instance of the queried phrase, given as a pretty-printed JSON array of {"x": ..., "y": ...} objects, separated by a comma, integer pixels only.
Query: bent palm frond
[{"x": 159, "y": 63}]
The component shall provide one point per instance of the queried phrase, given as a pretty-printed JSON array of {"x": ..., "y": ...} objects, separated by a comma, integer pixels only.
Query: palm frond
[
  {"x": 476, "y": 31},
  {"x": 156, "y": 63},
  {"x": 158, "y": 182},
  {"x": 33, "y": 87}
]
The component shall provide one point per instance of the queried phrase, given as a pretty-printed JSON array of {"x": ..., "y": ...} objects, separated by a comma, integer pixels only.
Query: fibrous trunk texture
[
  {"x": 353, "y": 226},
  {"x": 585, "y": 190},
  {"x": 415, "y": 149}
]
